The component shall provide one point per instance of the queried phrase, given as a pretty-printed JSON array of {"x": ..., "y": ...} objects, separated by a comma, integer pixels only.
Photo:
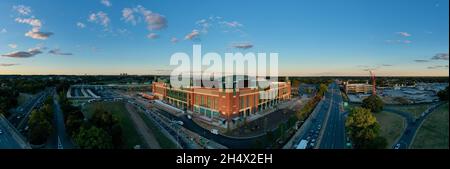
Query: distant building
[
  {"x": 222, "y": 107},
  {"x": 353, "y": 88}
]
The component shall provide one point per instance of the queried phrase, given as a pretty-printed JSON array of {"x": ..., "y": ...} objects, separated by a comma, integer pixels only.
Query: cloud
[
  {"x": 100, "y": 18},
  {"x": 22, "y": 10},
  {"x": 233, "y": 24},
  {"x": 243, "y": 45},
  {"x": 8, "y": 64},
  {"x": 58, "y": 52},
  {"x": 399, "y": 41},
  {"x": 437, "y": 67},
  {"x": 404, "y": 34},
  {"x": 440, "y": 56},
  {"x": 81, "y": 25},
  {"x": 36, "y": 25},
  {"x": 421, "y": 61},
  {"x": 106, "y": 3},
  {"x": 24, "y": 54},
  {"x": 152, "y": 36},
  {"x": 174, "y": 40},
  {"x": 386, "y": 65},
  {"x": 39, "y": 35},
  {"x": 128, "y": 15},
  {"x": 3, "y": 30},
  {"x": 194, "y": 34},
  {"x": 12, "y": 45}
]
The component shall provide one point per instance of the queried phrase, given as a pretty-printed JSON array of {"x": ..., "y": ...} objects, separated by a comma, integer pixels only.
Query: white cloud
[
  {"x": 35, "y": 32},
  {"x": 233, "y": 24},
  {"x": 100, "y": 18},
  {"x": 22, "y": 10},
  {"x": 153, "y": 20},
  {"x": 81, "y": 25},
  {"x": 128, "y": 15},
  {"x": 404, "y": 34},
  {"x": 12, "y": 45},
  {"x": 194, "y": 34},
  {"x": 3, "y": 30},
  {"x": 152, "y": 36},
  {"x": 38, "y": 35},
  {"x": 399, "y": 41},
  {"x": 106, "y": 3}
]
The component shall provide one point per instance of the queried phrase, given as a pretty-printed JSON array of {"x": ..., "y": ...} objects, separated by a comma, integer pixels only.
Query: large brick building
[{"x": 222, "y": 107}]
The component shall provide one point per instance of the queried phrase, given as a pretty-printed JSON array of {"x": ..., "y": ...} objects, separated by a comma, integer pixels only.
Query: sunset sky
[{"x": 312, "y": 37}]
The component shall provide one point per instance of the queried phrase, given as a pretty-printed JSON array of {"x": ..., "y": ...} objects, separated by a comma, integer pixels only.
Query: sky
[{"x": 312, "y": 37}]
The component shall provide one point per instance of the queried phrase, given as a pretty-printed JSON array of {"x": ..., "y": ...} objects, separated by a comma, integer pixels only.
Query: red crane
[{"x": 372, "y": 74}]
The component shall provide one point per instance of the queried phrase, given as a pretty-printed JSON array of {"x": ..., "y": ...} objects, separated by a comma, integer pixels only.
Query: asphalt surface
[
  {"x": 413, "y": 124},
  {"x": 334, "y": 134},
  {"x": 7, "y": 141},
  {"x": 63, "y": 140}
]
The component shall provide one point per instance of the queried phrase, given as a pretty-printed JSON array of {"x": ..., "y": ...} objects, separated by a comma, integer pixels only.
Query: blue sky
[{"x": 312, "y": 37}]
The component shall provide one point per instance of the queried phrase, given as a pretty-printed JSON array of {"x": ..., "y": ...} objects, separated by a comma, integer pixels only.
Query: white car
[
  {"x": 1, "y": 132},
  {"x": 397, "y": 146},
  {"x": 215, "y": 131},
  {"x": 179, "y": 122},
  {"x": 189, "y": 116}
]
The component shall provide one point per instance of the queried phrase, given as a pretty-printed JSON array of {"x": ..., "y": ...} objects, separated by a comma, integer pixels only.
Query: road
[
  {"x": 62, "y": 139},
  {"x": 334, "y": 134},
  {"x": 20, "y": 118},
  {"x": 412, "y": 126},
  {"x": 9, "y": 137}
]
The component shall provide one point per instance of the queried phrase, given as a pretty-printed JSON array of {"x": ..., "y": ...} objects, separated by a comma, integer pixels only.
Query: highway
[
  {"x": 20, "y": 118},
  {"x": 334, "y": 134}
]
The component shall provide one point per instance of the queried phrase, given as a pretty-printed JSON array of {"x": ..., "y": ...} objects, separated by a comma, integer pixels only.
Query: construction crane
[{"x": 372, "y": 74}]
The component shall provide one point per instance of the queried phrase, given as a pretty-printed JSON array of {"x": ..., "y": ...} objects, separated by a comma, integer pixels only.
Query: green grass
[
  {"x": 163, "y": 141},
  {"x": 392, "y": 125},
  {"x": 415, "y": 110},
  {"x": 434, "y": 132},
  {"x": 130, "y": 135},
  {"x": 23, "y": 97}
]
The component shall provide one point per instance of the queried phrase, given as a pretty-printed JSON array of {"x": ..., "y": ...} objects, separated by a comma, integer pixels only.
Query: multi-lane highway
[{"x": 333, "y": 136}]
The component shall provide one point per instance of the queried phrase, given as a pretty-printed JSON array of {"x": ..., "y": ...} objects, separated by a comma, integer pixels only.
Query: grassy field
[
  {"x": 23, "y": 97},
  {"x": 415, "y": 110},
  {"x": 392, "y": 126},
  {"x": 130, "y": 135},
  {"x": 163, "y": 141},
  {"x": 434, "y": 132}
]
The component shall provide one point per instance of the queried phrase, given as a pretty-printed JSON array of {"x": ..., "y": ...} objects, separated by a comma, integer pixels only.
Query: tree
[
  {"x": 363, "y": 128},
  {"x": 40, "y": 128},
  {"x": 374, "y": 103},
  {"x": 443, "y": 94},
  {"x": 93, "y": 138}
]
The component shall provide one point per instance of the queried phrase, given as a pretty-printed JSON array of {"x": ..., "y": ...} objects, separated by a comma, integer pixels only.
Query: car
[
  {"x": 189, "y": 116},
  {"x": 397, "y": 146},
  {"x": 179, "y": 122},
  {"x": 1, "y": 132},
  {"x": 18, "y": 117},
  {"x": 215, "y": 131},
  {"x": 313, "y": 140}
]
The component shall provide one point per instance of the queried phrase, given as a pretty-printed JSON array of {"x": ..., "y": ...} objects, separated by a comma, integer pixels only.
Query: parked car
[
  {"x": 397, "y": 146},
  {"x": 1, "y": 132},
  {"x": 179, "y": 122},
  {"x": 189, "y": 116}
]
